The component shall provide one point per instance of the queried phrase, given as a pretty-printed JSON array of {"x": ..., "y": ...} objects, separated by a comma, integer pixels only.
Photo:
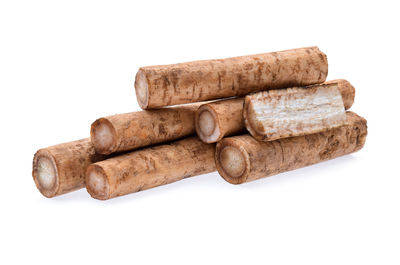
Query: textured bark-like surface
[
  {"x": 158, "y": 86},
  {"x": 123, "y": 132},
  {"x": 226, "y": 116},
  {"x": 61, "y": 168},
  {"x": 150, "y": 167},
  {"x": 347, "y": 91},
  {"x": 282, "y": 113},
  {"x": 242, "y": 158},
  {"x": 217, "y": 119}
]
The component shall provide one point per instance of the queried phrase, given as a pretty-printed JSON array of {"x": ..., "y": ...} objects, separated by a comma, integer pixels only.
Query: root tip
[
  {"x": 103, "y": 136},
  {"x": 45, "y": 173},
  {"x": 207, "y": 126},
  {"x": 232, "y": 163},
  {"x": 97, "y": 183},
  {"x": 142, "y": 89}
]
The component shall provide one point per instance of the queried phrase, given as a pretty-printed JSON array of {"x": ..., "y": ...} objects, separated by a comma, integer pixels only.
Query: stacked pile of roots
[{"x": 254, "y": 116}]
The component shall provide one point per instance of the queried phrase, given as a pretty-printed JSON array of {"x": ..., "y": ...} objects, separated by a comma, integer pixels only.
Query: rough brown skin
[
  {"x": 138, "y": 129},
  {"x": 242, "y": 158},
  {"x": 346, "y": 89},
  {"x": 228, "y": 114},
  {"x": 150, "y": 167},
  {"x": 281, "y": 113},
  {"x": 165, "y": 85},
  {"x": 67, "y": 162},
  {"x": 226, "y": 118}
]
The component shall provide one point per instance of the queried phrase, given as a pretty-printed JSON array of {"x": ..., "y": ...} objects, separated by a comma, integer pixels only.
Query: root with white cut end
[
  {"x": 142, "y": 89},
  {"x": 207, "y": 126},
  {"x": 149, "y": 167},
  {"x": 45, "y": 173},
  {"x": 167, "y": 85},
  {"x": 207, "y": 122},
  {"x": 233, "y": 162},
  {"x": 103, "y": 136},
  {"x": 218, "y": 119},
  {"x": 242, "y": 158},
  {"x": 227, "y": 115},
  {"x": 129, "y": 131},
  {"x": 275, "y": 114},
  {"x": 97, "y": 183},
  {"x": 61, "y": 168}
]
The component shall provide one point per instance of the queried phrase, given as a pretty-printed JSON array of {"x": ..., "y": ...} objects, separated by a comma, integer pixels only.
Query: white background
[{"x": 65, "y": 63}]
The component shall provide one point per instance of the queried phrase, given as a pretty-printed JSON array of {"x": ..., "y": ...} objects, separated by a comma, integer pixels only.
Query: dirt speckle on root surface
[
  {"x": 274, "y": 157},
  {"x": 221, "y": 78}
]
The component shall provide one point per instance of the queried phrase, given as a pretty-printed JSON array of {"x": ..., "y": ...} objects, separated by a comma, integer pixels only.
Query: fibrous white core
[
  {"x": 232, "y": 161},
  {"x": 46, "y": 173}
]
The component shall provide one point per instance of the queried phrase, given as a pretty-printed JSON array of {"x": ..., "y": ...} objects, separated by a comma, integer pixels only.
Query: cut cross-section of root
[
  {"x": 61, "y": 168},
  {"x": 46, "y": 174},
  {"x": 275, "y": 114},
  {"x": 242, "y": 158}
]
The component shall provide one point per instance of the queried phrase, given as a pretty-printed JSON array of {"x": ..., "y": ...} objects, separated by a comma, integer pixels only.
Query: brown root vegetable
[
  {"x": 61, "y": 168},
  {"x": 150, "y": 167},
  {"x": 282, "y": 113},
  {"x": 242, "y": 158},
  {"x": 123, "y": 132},
  {"x": 347, "y": 91},
  {"x": 165, "y": 85},
  {"x": 218, "y": 119}
]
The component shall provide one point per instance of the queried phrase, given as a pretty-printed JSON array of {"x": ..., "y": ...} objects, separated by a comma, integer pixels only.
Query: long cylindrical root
[
  {"x": 158, "y": 86},
  {"x": 148, "y": 168},
  {"x": 281, "y": 113},
  {"x": 218, "y": 119},
  {"x": 61, "y": 168},
  {"x": 242, "y": 158},
  {"x": 123, "y": 132}
]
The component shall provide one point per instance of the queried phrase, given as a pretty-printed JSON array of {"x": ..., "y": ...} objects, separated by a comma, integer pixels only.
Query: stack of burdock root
[{"x": 280, "y": 115}]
